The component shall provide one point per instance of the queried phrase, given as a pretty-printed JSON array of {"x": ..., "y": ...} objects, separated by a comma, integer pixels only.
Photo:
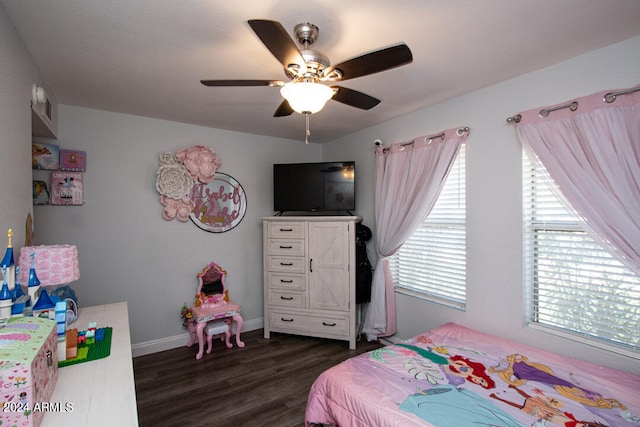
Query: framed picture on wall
[
  {"x": 67, "y": 188},
  {"x": 73, "y": 160},
  {"x": 40, "y": 193},
  {"x": 45, "y": 156}
]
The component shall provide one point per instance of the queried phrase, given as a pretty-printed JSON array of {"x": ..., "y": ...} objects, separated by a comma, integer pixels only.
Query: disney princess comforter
[{"x": 453, "y": 376}]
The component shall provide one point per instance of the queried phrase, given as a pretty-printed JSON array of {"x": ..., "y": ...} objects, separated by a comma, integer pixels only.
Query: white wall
[
  {"x": 127, "y": 251},
  {"x": 17, "y": 74},
  {"x": 494, "y": 215}
]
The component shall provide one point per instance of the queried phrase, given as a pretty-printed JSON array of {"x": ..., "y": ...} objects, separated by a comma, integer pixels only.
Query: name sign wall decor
[{"x": 220, "y": 204}]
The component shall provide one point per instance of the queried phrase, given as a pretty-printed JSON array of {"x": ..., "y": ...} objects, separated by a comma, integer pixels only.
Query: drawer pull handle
[
  {"x": 286, "y": 320},
  {"x": 328, "y": 324},
  {"x": 311, "y": 265},
  {"x": 286, "y": 281},
  {"x": 49, "y": 358},
  {"x": 286, "y": 298},
  {"x": 286, "y": 264},
  {"x": 286, "y": 230},
  {"x": 286, "y": 247}
]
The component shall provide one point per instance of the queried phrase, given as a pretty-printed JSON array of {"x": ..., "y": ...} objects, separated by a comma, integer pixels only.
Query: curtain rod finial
[{"x": 514, "y": 119}]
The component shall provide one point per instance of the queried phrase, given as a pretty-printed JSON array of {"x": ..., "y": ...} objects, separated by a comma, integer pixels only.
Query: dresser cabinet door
[{"x": 329, "y": 265}]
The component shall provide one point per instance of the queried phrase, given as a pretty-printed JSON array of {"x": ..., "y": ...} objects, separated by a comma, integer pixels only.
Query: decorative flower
[
  {"x": 200, "y": 161},
  {"x": 173, "y": 208},
  {"x": 186, "y": 314},
  {"x": 168, "y": 158},
  {"x": 173, "y": 180}
]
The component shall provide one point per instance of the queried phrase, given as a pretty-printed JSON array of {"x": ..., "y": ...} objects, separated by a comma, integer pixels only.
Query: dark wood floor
[{"x": 263, "y": 384}]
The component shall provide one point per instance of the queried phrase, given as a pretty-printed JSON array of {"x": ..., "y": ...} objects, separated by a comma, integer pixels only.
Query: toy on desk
[
  {"x": 18, "y": 292},
  {"x": 71, "y": 338},
  {"x": 83, "y": 346},
  {"x": 51, "y": 269},
  {"x": 91, "y": 333},
  {"x": 20, "y": 299},
  {"x": 61, "y": 328},
  {"x": 44, "y": 306},
  {"x": 9, "y": 263},
  {"x": 33, "y": 285},
  {"x": 61, "y": 317},
  {"x": 5, "y": 297},
  {"x": 65, "y": 293}
]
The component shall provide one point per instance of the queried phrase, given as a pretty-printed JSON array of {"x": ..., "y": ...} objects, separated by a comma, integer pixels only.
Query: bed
[{"x": 453, "y": 376}]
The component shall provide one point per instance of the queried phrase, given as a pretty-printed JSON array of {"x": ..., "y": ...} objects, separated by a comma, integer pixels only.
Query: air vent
[
  {"x": 44, "y": 117},
  {"x": 48, "y": 110}
]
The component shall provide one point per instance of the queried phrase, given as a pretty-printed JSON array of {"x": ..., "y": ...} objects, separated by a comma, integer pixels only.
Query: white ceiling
[{"x": 147, "y": 57}]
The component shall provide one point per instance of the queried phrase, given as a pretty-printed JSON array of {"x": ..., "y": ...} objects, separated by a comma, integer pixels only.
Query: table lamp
[{"x": 48, "y": 266}]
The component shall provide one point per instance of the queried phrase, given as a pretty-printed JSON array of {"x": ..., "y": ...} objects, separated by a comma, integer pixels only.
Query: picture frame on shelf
[
  {"x": 45, "y": 156},
  {"x": 40, "y": 193},
  {"x": 67, "y": 188},
  {"x": 73, "y": 160}
]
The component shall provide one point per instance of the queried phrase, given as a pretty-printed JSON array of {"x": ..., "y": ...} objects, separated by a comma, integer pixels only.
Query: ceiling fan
[{"x": 308, "y": 69}]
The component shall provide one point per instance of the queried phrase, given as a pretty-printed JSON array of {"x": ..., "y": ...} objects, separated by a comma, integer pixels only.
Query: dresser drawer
[
  {"x": 286, "y": 247},
  {"x": 287, "y": 264},
  {"x": 287, "y": 299},
  {"x": 287, "y": 281},
  {"x": 287, "y": 230},
  {"x": 318, "y": 324}
]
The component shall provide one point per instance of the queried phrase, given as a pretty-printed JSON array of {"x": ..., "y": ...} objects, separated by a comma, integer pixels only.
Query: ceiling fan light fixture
[{"x": 306, "y": 97}]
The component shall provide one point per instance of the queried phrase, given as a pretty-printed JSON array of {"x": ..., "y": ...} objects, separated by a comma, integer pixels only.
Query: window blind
[
  {"x": 432, "y": 262},
  {"x": 574, "y": 285}
]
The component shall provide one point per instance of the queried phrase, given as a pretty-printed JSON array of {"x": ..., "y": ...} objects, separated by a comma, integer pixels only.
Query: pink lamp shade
[{"x": 54, "y": 264}]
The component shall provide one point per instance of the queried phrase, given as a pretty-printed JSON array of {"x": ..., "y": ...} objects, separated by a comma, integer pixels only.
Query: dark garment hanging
[{"x": 364, "y": 271}]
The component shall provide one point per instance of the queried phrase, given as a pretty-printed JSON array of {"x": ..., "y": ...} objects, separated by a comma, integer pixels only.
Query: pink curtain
[
  {"x": 593, "y": 156},
  {"x": 409, "y": 178}
]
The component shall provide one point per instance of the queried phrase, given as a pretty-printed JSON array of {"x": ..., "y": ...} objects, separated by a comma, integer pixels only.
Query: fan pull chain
[{"x": 307, "y": 132}]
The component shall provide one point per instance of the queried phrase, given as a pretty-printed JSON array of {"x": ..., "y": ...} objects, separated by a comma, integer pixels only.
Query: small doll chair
[{"x": 218, "y": 327}]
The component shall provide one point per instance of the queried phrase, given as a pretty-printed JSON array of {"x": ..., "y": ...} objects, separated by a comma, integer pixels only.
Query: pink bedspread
[{"x": 453, "y": 376}]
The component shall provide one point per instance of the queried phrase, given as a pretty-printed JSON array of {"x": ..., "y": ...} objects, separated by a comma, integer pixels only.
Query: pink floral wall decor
[
  {"x": 178, "y": 173},
  {"x": 200, "y": 161}
]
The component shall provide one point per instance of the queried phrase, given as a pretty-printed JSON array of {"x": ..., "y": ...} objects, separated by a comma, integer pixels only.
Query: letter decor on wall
[
  {"x": 220, "y": 204},
  {"x": 189, "y": 187}
]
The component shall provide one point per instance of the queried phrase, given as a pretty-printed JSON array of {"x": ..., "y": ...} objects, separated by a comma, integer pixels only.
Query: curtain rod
[
  {"x": 573, "y": 106},
  {"x": 428, "y": 139}
]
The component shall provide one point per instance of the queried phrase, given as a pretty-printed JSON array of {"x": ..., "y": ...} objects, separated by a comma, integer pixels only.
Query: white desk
[{"x": 101, "y": 391}]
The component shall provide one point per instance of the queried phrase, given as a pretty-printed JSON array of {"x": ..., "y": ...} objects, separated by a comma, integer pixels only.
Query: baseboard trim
[{"x": 168, "y": 343}]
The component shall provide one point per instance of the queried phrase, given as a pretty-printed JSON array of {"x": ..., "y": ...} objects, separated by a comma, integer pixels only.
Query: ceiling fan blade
[
  {"x": 374, "y": 62},
  {"x": 277, "y": 40},
  {"x": 284, "y": 109},
  {"x": 354, "y": 98},
  {"x": 269, "y": 83}
]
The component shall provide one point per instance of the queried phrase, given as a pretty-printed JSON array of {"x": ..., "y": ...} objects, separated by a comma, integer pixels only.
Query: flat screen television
[{"x": 314, "y": 187}]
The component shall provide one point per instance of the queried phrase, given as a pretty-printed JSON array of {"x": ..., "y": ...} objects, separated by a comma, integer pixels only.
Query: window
[
  {"x": 432, "y": 263},
  {"x": 574, "y": 286}
]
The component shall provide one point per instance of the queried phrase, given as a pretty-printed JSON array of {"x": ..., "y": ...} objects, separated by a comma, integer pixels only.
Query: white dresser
[
  {"x": 102, "y": 392},
  {"x": 309, "y": 276}
]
